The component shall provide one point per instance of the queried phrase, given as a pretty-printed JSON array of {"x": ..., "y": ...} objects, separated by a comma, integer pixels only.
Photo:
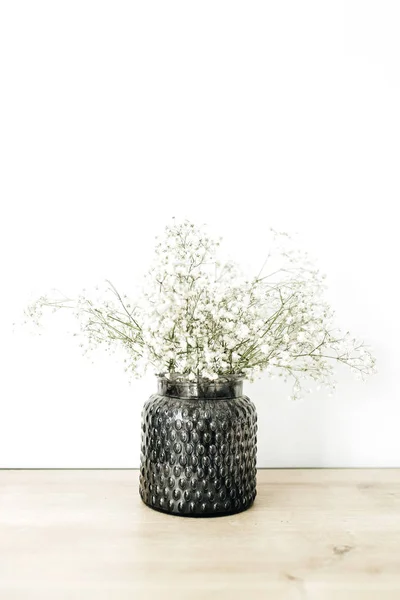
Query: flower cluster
[{"x": 200, "y": 318}]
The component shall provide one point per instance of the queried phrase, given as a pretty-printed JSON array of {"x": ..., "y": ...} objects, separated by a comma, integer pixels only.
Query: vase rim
[
  {"x": 226, "y": 386},
  {"x": 204, "y": 380}
]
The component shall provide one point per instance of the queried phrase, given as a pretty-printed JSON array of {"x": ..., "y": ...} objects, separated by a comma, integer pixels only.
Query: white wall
[{"x": 116, "y": 116}]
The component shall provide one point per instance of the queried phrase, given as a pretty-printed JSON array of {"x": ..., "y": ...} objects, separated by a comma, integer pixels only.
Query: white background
[{"x": 116, "y": 116}]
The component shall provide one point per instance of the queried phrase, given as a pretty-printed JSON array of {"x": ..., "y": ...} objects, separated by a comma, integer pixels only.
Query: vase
[{"x": 198, "y": 448}]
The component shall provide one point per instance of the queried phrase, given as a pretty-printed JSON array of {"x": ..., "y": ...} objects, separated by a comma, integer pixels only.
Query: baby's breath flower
[{"x": 198, "y": 316}]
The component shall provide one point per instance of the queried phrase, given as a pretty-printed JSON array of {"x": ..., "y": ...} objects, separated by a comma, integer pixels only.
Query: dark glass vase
[{"x": 198, "y": 449}]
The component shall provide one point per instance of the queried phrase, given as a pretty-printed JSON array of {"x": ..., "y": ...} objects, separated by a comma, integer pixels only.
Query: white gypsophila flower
[
  {"x": 265, "y": 349},
  {"x": 198, "y": 316}
]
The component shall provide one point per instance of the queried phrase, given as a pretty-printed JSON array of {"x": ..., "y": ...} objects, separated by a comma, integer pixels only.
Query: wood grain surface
[{"x": 311, "y": 535}]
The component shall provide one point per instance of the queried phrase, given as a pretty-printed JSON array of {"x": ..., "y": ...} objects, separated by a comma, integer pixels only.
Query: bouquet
[{"x": 198, "y": 316}]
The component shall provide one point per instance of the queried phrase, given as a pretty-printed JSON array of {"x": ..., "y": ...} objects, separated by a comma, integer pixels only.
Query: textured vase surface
[{"x": 198, "y": 448}]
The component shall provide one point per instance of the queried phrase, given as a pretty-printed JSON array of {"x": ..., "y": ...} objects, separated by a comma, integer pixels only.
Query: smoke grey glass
[{"x": 198, "y": 448}]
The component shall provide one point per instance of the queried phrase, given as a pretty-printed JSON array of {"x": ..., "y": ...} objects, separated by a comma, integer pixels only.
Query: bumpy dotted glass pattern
[{"x": 198, "y": 457}]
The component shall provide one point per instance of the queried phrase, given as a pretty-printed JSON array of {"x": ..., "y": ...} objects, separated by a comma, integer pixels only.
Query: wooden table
[{"x": 311, "y": 535}]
